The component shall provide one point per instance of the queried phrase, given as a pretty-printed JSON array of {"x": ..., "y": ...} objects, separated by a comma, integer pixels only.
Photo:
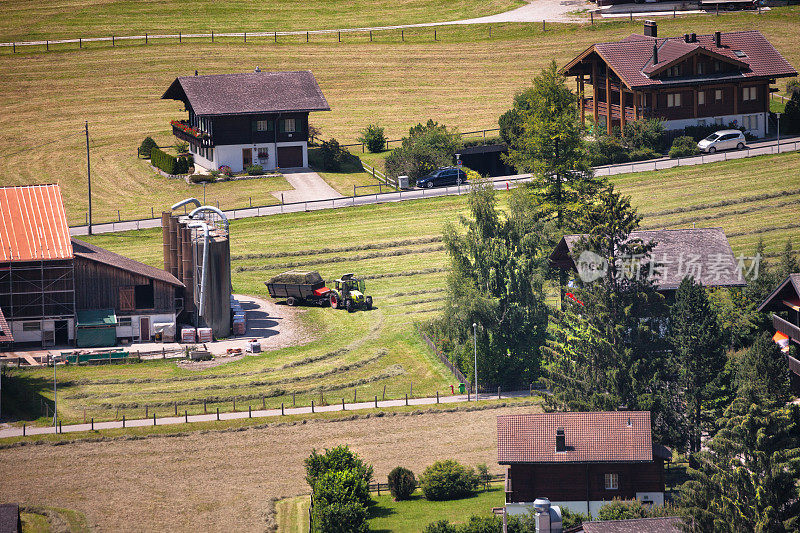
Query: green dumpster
[
  {"x": 462, "y": 388},
  {"x": 96, "y": 328}
]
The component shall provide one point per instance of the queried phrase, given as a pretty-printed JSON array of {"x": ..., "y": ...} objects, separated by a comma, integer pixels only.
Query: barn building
[
  {"x": 580, "y": 460},
  {"x": 56, "y": 291},
  {"x": 250, "y": 118},
  {"x": 690, "y": 80}
]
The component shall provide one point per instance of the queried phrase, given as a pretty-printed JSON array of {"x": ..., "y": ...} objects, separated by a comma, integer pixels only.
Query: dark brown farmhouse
[
  {"x": 784, "y": 303},
  {"x": 250, "y": 118},
  {"x": 720, "y": 79},
  {"x": 580, "y": 460}
]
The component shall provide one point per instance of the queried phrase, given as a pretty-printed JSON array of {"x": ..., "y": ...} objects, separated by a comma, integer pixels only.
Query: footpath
[{"x": 260, "y": 413}]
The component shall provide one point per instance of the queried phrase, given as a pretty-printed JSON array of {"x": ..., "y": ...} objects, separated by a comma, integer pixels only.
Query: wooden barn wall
[{"x": 97, "y": 287}]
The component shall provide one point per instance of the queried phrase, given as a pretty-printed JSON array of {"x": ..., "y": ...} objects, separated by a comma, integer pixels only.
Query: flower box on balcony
[{"x": 186, "y": 128}]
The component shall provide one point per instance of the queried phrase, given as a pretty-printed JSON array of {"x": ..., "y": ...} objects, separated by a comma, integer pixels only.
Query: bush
[
  {"x": 643, "y": 154},
  {"x": 254, "y": 170},
  {"x": 226, "y": 171},
  {"x": 427, "y": 147},
  {"x": 401, "y": 483},
  {"x": 644, "y": 134},
  {"x": 790, "y": 121},
  {"x": 164, "y": 161},
  {"x": 622, "y": 510},
  {"x": 333, "y": 156},
  {"x": 793, "y": 86},
  {"x": 201, "y": 178},
  {"x": 340, "y": 486},
  {"x": 146, "y": 147},
  {"x": 440, "y": 526},
  {"x": 335, "y": 459},
  {"x": 374, "y": 137},
  {"x": 182, "y": 165},
  {"x": 340, "y": 517},
  {"x": 447, "y": 480},
  {"x": 683, "y": 147},
  {"x": 607, "y": 149}
]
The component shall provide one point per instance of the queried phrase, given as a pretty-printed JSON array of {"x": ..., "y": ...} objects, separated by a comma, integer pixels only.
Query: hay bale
[{"x": 298, "y": 277}]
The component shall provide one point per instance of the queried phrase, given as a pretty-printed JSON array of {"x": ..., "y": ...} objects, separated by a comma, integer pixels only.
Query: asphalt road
[{"x": 502, "y": 182}]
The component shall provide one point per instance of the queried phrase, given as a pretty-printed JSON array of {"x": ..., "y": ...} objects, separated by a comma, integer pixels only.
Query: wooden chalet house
[
  {"x": 580, "y": 460},
  {"x": 691, "y": 80},
  {"x": 251, "y": 118},
  {"x": 56, "y": 291},
  {"x": 784, "y": 303}
]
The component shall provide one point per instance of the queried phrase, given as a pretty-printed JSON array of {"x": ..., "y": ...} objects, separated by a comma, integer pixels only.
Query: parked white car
[{"x": 723, "y": 140}]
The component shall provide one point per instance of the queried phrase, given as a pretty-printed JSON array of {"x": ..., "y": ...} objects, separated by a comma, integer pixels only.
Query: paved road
[
  {"x": 261, "y": 413},
  {"x": 306, "y": 185},
  {"x": 502, "y": 182}
]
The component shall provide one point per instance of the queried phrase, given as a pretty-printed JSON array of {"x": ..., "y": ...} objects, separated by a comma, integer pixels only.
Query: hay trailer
[{"x": 299, "y": 287}]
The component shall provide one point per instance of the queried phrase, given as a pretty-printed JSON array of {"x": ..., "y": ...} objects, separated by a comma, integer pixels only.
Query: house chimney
[
  {"x": 655, "y": 54},
  {"x": 687, "y": 38},
  {"x": 195, "y": 73},
  {"x": 561, "y": 440},
  {"x": 650, "y": 28},
  {"x": 718, "y": 39},
  {"x": 694, "y": 37}
]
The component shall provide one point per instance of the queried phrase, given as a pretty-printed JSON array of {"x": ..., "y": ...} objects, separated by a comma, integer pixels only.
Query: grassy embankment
[{"x": 465, "y": 80}]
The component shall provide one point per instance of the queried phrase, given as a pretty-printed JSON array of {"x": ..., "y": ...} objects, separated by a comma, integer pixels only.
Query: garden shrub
[
  {"x": 643, "y": 154},
  {"x": 335, "y": 459},
  {"x": 333, "y": 156},
  {"x": 401, "y": 483},
  {"x": 607, "y": 149},
  {"x": 426, "y": 148},
  {"x": 341, "y": 485},
  {"x": 201, "y": 178},
  {"x": 683, "y": 147},
  {"x": 254, "y": 170},
  {"x": 340, "y": 517},
  {"x": 164, "y": 161},
  {"x": 790, "y": 121},
  {"x": 644, "y": 134},
  {"x": 447, "y": 480},
  {"x": 146, "y": 147},
  {"x": 373, "y": 137},
  {"x": 440, "y": 526},
  {"x": 182, "y": 165},
  {"x": 226, "y": 171}
]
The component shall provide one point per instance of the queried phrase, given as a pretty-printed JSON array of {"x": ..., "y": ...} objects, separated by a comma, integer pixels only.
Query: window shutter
[
  {"x": 281, "y": 126},
  {"x": 254, "y": 125},
  {"x": 127, "y": 301}
]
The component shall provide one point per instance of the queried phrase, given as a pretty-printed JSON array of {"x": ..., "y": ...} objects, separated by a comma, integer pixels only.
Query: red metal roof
[
  {"x": 632, "y": 58},
  {"x": 611, "y": 436},
  {"x": 33, "y": 224},
  {"x": 5, "y": 331}
]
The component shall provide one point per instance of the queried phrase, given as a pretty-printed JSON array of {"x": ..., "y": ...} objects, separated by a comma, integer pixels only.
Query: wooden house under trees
[
  {"x": 244, "y": 119},
  {"x": 691, "y": 80},
  {"x": 580, "y": 460},
  {"x": 784, "y": 303}
]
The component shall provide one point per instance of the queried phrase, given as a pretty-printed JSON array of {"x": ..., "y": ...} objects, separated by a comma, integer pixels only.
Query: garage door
[{"x": 290, "y": 156}]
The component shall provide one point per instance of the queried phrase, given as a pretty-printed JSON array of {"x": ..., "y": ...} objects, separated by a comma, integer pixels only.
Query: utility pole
[
  {"x": 89, "y": 176},
  {"x": 55, "y": 396},
  {"x": 475, "y": 344}
]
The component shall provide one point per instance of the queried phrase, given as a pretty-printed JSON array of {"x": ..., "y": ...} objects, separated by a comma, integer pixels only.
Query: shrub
[
  {"x": 333, "y": 156},
  {"x": 683, "y": 147},
  {"x": 340, "y": 486},
  {"x": 402, "y": 483},
  {"x": 793, "y": 86},
  {"x": 225, "y": 170},
  {"x": 440, "y": 526},
  {"x": 254, "y": 170},
  {"x": 607, "y": 149},
  {"x": 426, "y": 148},
  {"x": 201, "y": 178},
  {"x": 164, "y": 161},
  {"x": 643, "y": 154},
  {"x": 447, "y": 480},
  {"x": 146, "y": 147},
  {"x": 644, "y": 134},
  {"x": 182, "y": 165},
  {"x": 622, "y": 510},
  {"x": 790, "y": 122},
  {"x": 340, "y": 517},
  {"x": 570, "y": 519},
  {"x": 373, "y": 136},
  {"x": 181, "y": 147},
  {"x": 335, "y": 459}
]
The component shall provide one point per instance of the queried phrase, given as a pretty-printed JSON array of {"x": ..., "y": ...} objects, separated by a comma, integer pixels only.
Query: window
[
  {"x": 263, "y": 154},
  {"x": 561, "y": 440},
  {"x": 144, "y": 296},
  {"x": 263, "y": 125},
  {"x": 31, "y": 326},
  {"x": 289, "y": 125},
  {"x": 718, "y": 95},
  {"x": 749, "y": 94},
  {"x": 612, "y": 481},
  {"x": 739, "y": 53},
  {"x": 701, "y": 98},
  {"x": 674, "y": 100},
  {"x": 750, "y": 122},
  {"x": 674, "y": 71},
  {"x": 701, "y": 68},
  {"x": 717, "y": 66},
  {"x": 124, "y": 321}
]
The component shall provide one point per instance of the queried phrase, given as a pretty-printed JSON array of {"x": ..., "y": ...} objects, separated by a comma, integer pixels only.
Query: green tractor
[{"x": 348, "y": 293}]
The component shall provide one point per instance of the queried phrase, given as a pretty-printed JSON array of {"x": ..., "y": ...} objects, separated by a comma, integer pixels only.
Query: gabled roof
[
  {"x": 703, "y": 253},
  {"x": 5, "y": 331},
  {"x": 667, "y": 524},
  {"x": 84, "y": 250},
  {"x": 788, "y": 291},
  {"x": 249, "y": 93},
  {"x": 632, "y": 58},
  {"x": 611, "y": 436},
  {"x": 33, "y": 224}
]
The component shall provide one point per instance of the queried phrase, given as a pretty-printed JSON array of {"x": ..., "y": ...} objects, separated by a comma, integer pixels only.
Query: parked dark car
[{"x": 442, "y": 177}]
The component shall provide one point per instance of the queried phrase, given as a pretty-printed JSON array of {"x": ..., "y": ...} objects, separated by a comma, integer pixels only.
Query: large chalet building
[
  {"x": 691, "y": 80},
  {"x": 580, "y": 460},
  {"x": 251, "y": 118},
  {"x": 784, "y": 303}
]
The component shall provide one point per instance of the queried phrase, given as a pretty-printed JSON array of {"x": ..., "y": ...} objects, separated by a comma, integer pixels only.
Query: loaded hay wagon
[{"x": 299, "y": 287}]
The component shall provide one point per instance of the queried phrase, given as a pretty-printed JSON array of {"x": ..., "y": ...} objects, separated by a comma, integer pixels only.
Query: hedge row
[{"x": 168, "y": 163}]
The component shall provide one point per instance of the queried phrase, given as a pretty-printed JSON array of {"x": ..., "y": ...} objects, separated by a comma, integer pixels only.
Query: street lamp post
[
  {"x": 475, "y": 345},
  {"x": 779, "y": 131},
  {"x": 55, "y": 396}
]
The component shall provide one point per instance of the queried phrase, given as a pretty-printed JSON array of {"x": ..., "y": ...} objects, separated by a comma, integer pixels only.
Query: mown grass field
[
  {"x": 465, "y": 80},
  {"x": 91, "y": 18}
]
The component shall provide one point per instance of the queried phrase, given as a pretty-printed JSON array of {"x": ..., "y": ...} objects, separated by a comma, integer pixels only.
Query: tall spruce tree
[
  {"x": 762, "y": 372},
  {"x": 699, "y": 355},
  {"x": 788, "y": 263}
]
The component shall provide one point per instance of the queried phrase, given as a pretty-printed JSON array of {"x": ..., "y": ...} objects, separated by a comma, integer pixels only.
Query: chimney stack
[
  {"x": 687, "y": 38},
  {"x": 694, "y": 37},
  {"x": 650, "y": 28},
  {"x": 718, "y": 39},
  {"x": 561, "y": 440},
  {"x": 655, "y": 54}
]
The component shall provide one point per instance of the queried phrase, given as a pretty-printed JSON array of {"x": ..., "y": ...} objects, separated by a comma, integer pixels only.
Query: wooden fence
[{"x": 445, "y": 361}]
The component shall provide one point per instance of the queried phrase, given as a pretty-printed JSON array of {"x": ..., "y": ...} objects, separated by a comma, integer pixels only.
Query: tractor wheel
[
  {"x": 290, "y": 301},
  {"x": 334, "y": 299},
  {"x": 349, "y": 305},
  {"x": 369, "y": 303}
]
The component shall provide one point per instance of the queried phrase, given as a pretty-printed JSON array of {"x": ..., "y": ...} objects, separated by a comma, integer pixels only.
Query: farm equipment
[
  {"x": 348, "y": 293},
  {"x": 299, "y": 287}
]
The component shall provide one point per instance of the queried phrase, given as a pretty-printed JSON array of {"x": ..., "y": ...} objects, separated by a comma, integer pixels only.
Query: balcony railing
[
  {"x": 588, "y": 107},
  {"x": 186, "y": 132},
  {"x": 786, "y": 327}
]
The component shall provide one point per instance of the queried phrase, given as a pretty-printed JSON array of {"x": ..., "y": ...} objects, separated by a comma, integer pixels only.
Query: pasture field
[
  {"x": 465, "y": 79},
  {"x": 228, "y": 480},
  {"x": 398, "y": 247}
]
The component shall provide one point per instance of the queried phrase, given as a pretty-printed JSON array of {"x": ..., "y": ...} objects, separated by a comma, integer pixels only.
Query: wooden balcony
[
  {"x": 786, "y": 327},
  {"x": 185, "y": 132},
  {"x": 588, "y": 107}
]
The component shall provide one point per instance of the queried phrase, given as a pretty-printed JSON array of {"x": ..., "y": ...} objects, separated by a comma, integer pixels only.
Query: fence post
[
  {"x": 312, "y": 406},
  {"x": 145, "y": 38},
  {"x": 147, "y": 411},
  {"x": 205, "y": 411},
  {"x": 306, "y": 36},
  {"x": 406, "y": 399},
  {"x": 217, "y": 413},
  {"x": 343, "y": 404},
  {"x": 249, "y": 411},
  {"x": 154, "y": 418},
  {"x": 14, "y": 48},
  {"x": 23, "y": 427},
  {"x": 384, "y": 393},
  {"x": 498, "y": 393},
  {"x": 293, "y": 399},
  {"x": 282, "y": 411},
  {"x": 234, "y": 405},
  {"x": 175, "y": 404},
  {"x": 543, "y": 26},
  {"x": 340, "y": 36},
  {"x": 180, "y": 37},
  {"x": 370, "y": 35},
  {"x": 275, "y": 36},
  {"x": 434, "y": 35},
  {"x": 245, "y": 36},
  {"x": 263, "y": 402},
  {"x": 112, "y": 40},
  {"x": 591, "y": 17},
  {"x": 186, "y": 416},
  {"x": 376, "y": 401},
  {"x": 490, "y": 31},
  {"x": 47, "y": 44},
  {"x": 437, "y": 396},
  {"x": 212, "y": 36},
  {"x": 402, "y": 36}
]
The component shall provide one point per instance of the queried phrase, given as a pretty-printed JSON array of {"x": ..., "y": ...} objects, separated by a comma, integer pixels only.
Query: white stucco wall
[
  {"x": 593, "y": 507},
  {"x": 231, "y": 155},
  {"x": 761, "y": 131}
]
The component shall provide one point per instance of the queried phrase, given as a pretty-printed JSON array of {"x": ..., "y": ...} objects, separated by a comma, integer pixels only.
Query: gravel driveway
[{"x": 308, "y": 186}]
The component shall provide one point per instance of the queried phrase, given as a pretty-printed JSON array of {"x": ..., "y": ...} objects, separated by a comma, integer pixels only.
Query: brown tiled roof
[
  {"x": 249, "y": 93},
  {"x": 84, "y": 250},
  {"x": 704, "y": 253},
  {"x": 667, "y": 524},
  {"x": 611, "y": 436},
  {"x": 632, "y": 58},
  {"x": 33, "y": 224},
  {"x": 5, "y": 331}
]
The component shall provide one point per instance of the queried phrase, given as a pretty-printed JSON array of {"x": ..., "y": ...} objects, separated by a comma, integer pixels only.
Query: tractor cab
[
  {"x": 349, "y": 293},
  {"x": 349, "y": 284}
]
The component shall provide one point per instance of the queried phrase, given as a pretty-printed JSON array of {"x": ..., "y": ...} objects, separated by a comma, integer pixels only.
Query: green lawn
[{"x": 465, "y": 80}]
